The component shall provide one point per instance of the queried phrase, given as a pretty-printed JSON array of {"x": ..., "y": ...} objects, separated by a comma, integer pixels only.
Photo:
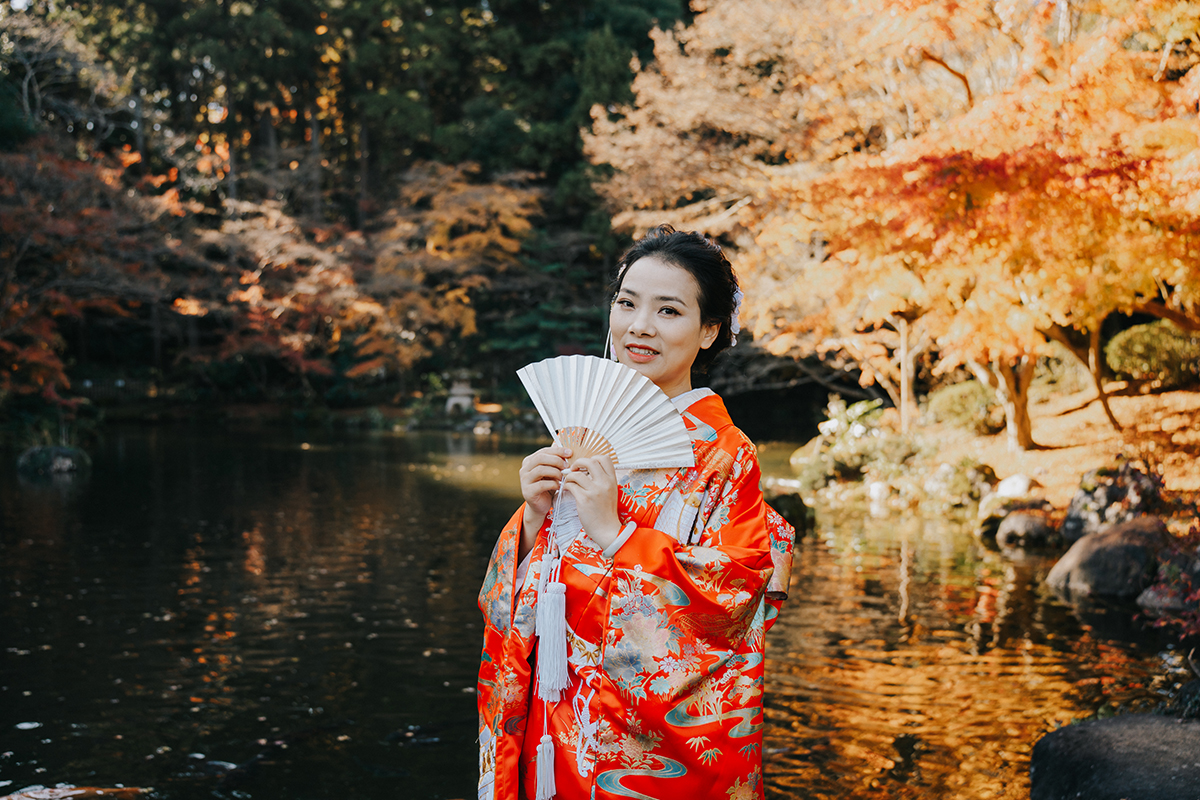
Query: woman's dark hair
[{"x": 703, "y": 259}]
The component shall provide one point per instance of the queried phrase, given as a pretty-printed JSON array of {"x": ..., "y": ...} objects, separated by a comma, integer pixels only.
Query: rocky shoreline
[
  {"x": 1119, "y": 548},
  {"x": 1121, "y": 542}
]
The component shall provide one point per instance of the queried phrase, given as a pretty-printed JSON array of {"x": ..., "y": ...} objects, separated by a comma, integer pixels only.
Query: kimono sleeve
[{"x": 496, "y": 593}]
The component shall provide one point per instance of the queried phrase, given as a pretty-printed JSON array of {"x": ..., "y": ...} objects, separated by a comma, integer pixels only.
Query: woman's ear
[{"x": 708, "y": 335}]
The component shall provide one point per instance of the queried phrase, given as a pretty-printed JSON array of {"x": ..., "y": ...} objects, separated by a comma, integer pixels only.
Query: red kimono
[{"x": 665, "y": 636}]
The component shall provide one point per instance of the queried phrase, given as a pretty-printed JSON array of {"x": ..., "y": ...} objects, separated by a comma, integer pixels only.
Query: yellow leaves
[
  {"x": 367, "y": 367},
  {"x": 781, "y": 344},
  {"x": 468, "y": 224},
  {"x": 1049, "y": 200},
  {"x": 189, "y": 307},
  {"x": 251, "y": 295},
  {"x": 1169, "y": 138},
  {"x": 366, "y": 307}
]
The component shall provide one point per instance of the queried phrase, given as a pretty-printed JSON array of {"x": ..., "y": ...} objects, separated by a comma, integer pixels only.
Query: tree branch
[
  {"x": 1160, "y": 310},
  {"x": 928, "y": 56}
]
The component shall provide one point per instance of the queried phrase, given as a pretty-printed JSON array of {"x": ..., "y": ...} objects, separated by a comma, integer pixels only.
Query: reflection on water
[
  {"x": 246, "y": 615},
  {"x": 912, "y": 664},
  {"x": 268, "y": 616}
]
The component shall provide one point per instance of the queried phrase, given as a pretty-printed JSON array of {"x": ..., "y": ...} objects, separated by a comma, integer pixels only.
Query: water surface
[{"x": 267, "y": 614}]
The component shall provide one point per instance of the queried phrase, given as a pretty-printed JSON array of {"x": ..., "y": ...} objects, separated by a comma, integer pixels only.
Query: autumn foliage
[
  {"x": 70, "y": 243},
  {"x": 967, "y": 180},
  {"x": 261, "y": 293}
]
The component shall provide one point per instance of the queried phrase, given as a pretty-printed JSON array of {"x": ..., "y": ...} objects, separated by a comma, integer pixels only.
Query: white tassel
[
  {"x": 552, "y": 675},
  {"x": 545, "y": 769},
  {"x": 566, "y": 524}
]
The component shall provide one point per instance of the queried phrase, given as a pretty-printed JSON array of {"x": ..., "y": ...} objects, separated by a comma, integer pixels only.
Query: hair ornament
[{"x": 734, "y": 326}]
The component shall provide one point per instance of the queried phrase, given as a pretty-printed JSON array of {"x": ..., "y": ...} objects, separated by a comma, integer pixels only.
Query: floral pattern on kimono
[{"x": 664, "y": 639}]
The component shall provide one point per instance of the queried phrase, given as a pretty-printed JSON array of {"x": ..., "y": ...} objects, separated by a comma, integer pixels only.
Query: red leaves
[{"x": 62, "y": 253}]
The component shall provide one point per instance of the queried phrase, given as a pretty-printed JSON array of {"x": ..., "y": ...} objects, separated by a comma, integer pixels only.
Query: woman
[{"x": 670, "y": 587}]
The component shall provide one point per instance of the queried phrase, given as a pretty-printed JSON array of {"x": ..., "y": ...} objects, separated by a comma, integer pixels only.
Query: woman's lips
[{"x": 640, "y": 354}]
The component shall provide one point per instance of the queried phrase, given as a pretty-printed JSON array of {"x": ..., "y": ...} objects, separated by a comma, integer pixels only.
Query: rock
[
  {"x": 1026, "y": 530},
  {"x": 1116, "y": 562},
  {"x": 1186, "y": 702},
  {"x": 49, "y": 460},
  {"x": 1107, "y": 496},
  {"x": 994, "y": 509},
  {"x": 1178, "y": 578},
  {"x": 1162, "y": 599},
  {"x": 805, "y": 453},
  {"x": 1016, "y": 486},
  {"x": 66, "y": 792},
  {"x": 1142, "y": 756}
]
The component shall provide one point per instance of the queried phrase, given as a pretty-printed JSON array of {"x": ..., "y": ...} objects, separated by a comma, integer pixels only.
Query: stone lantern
[{"x": 462, "y": 396}]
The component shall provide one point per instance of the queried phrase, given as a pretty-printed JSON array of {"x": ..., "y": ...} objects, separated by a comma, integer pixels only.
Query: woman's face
[{"x": 655, "y": 323}]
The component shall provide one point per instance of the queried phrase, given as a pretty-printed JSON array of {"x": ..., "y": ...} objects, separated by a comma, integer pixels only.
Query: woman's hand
[
  {"x": 540, "y": 474},
  {"x": 593, "y": 484}
]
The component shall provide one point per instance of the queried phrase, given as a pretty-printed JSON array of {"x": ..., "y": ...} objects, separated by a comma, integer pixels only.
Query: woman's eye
[
  {"x": 668, "y": 310},
  {"x": 623, "y": 303}
]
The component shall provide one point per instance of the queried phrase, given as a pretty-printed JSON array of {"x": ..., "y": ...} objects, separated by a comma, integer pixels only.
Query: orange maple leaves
[{"x": 973, "y": 176}]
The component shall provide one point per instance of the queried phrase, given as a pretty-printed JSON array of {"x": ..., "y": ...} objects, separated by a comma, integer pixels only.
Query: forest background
[{"x": 340, "y": 203}]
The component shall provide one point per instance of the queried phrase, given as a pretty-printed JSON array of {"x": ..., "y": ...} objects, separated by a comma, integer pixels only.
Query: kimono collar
[
  {"x": 704, "y": 406},
  {"x": 682, "y": 401}
]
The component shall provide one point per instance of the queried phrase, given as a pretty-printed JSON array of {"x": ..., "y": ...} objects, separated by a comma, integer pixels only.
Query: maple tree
[
  {"x": 1055, "y": 189},
  {"x": 261, "y": 297},
  {"x": 69, "y": 244},
  {"x": 1033, "y": 217},
  {"x": 748, "y": 90},
  {"x": 754, "y": 95}
]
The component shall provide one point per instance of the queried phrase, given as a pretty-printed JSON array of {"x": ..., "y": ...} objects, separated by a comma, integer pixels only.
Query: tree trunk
[
  {"x": 156, "y": 333},
  {"x": 905, "y": 377},
  {"x": 1096, "y": 368},
  {"x": 1160, "y": 310},
  {"x": 25, "y": 82},
  {"x": 139, "y": 126},
  {"x": 314, "y": 128},
  {"x": 231, "y": 179},
  {"x": 1064, "y": 21},
  {"x": 82, "y": 348},
  {"x": 1010, "y": 381},
  {"x": 911, "y": 348},
  {"x": 1088, "y": 355},
  {"x": 364, "y": 164},
  {"x": 267, "y": 125}
]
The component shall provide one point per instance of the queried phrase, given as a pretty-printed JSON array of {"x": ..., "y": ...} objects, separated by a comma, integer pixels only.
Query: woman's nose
[{"x": 642, "y": 322}]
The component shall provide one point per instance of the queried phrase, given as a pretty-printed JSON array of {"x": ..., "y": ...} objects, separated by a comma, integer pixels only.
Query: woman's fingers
[
  {"x": 593, "y": 484},
  {"x": 540, "y": 474},
  {"x": 541, "y": 471},
  {"x": 593, "y": 477},
  {"x": 601, "y": 463},
  {"x": 542, "y": 458},
  {"x": 600, "y": 467}
]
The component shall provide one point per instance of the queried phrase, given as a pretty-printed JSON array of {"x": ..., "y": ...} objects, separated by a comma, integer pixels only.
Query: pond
[{"x": 274, "y": 614}]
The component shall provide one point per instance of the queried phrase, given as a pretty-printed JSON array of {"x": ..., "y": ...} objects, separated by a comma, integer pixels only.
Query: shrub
[
  {"x": 1157, "y": 351},
  {"x": 969, "y": 405},
  {"x": 852, "y": 445},
  {"x": 1057, "y": 374}
]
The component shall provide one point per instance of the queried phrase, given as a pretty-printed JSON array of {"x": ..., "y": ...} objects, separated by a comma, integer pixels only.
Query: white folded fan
[{"x": 594, "y": 406}]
